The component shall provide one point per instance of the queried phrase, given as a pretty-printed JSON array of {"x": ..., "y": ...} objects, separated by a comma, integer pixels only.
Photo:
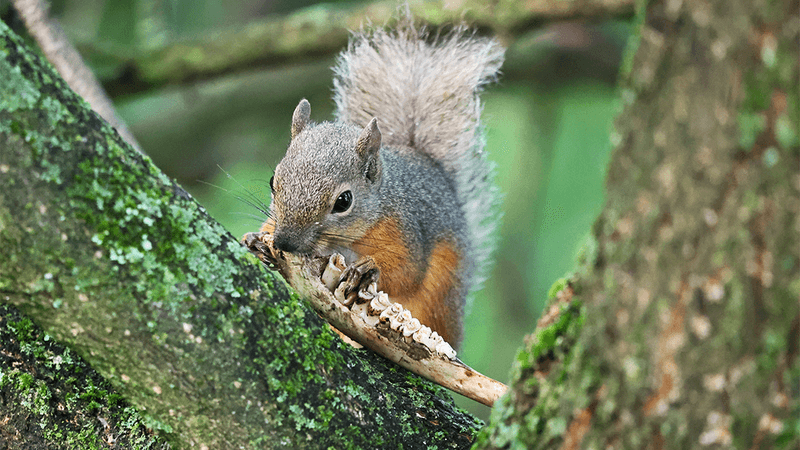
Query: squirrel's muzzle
[
  {"x": 299, "y": 242},
  {"x": 285, "y": 243}
]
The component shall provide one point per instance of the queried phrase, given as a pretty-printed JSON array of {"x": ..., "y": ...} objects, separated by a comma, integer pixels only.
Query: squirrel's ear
[
  {"x": 301, "y": 117},
  {"x": 367, "y": 148}
]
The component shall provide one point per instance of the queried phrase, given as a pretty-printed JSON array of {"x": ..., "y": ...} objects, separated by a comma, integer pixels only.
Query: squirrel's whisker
[{"x": 253, "y": 201}]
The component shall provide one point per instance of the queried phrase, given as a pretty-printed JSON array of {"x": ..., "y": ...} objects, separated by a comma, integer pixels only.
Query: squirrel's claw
[{"x": 358, "y": 276}]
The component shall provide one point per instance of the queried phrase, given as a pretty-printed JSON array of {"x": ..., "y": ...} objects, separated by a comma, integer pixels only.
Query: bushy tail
[{"x": 424, "y": 92}]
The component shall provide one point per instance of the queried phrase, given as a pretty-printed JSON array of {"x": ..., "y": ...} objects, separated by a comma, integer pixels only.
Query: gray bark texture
[
  {"x": 682, "y": 328},
  {"x": 130, "y": 318}
]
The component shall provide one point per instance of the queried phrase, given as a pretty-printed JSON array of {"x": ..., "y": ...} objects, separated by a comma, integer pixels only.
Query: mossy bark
[
  {"x": 115, "y": 261},
  {"x": 50, "y": 398},
  {"x": 682, "y": 328}
]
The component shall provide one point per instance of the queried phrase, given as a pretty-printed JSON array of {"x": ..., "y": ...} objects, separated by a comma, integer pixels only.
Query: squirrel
[{"x": 398, "y": 183}]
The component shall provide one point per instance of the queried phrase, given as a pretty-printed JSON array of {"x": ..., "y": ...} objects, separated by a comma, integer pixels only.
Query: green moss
[
  {"x": 133, "y": 274},
  {"x": 790, "y": 435},
  {"x": 627, "y": 64},
  {"x": 550, "y": 350},
  {"x": 751, "y": 125},
  {"x": 38, "y": 378},
  {"x": 557, "y": 287}
]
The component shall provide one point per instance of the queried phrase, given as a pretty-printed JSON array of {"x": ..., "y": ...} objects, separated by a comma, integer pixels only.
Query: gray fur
[
  {"x": 420, "y": 162},
  {"x": 301, "y": 117},
  {"x": 425, "y": 96},
  {"x": 319, "y": 164},
  {"x": 367, "y": 147}
]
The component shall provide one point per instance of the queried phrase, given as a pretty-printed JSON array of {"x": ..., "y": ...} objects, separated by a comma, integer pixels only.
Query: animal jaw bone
[
  {"x": 371, "y": 319},
  {"x": 375, "y": 309}
]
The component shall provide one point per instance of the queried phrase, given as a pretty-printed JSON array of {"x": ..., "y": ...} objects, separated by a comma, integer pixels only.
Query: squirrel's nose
[{"x": 284, "y": 243}]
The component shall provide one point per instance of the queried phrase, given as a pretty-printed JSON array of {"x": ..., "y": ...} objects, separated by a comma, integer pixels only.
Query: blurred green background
[{"x": 548, "y": 123}]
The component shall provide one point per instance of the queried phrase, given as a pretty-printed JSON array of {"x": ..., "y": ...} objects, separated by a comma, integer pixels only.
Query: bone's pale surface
[{"x": 375, "y": 307}]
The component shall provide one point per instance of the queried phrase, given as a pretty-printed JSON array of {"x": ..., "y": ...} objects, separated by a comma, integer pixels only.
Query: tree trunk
[
  {"x": 118, "y": 263},
  {"x": 682, "y": 328}
]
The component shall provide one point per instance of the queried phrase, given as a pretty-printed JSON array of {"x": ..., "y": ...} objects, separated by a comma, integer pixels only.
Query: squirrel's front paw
[
  {"x": 359, "y": 276},
  {"x": 259, "y": 244}
]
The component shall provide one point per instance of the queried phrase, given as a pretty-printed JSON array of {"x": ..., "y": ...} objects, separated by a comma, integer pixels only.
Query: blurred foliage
[{"x": 548, "y": 124}]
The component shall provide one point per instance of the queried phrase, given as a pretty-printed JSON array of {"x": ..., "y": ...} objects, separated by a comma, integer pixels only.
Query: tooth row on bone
[{"x": 375, "y": 307}]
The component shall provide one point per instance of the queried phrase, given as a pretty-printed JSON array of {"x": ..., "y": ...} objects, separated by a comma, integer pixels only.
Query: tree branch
[
  {"x": 681, "y": 329},
  {"x": 323, "y": 29},
  {"x": 113, "y": 258},
  {"x": 60, "y": 52}
]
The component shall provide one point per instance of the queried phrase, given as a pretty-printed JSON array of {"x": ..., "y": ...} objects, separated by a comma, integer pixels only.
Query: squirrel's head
[{"x": 325, "y": 189}]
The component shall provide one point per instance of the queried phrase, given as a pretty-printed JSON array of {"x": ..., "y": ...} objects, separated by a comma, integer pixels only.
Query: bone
[
  {"x": 333, "y": 270},
  {"x": 374, "y": 307}
]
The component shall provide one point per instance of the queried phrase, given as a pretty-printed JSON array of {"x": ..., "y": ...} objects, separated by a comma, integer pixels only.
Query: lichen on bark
[{"x": 116, "y": 261}]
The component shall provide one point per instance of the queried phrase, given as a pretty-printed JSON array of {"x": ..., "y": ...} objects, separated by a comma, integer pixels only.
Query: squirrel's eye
[
  {"x": 343, "y": 202},
  {"x": 272, "y": 183}
]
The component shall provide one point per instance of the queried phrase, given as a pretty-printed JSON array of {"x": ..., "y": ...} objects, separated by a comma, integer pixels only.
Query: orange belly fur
[{"x": 429, "y": 294}]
